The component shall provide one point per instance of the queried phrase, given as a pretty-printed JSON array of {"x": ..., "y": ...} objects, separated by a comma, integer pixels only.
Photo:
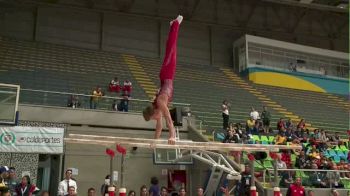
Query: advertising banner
[{"x": 45, "y": 140}]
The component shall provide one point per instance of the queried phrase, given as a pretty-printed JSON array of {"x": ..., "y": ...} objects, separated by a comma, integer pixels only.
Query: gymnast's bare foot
[
  {"x": 179, "y": 19},
  {"x": 171, "y": 140}
]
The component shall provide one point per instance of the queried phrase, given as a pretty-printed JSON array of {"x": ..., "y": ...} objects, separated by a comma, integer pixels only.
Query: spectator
[
  {"x": 334, "y": 192},
  {"x": 182, "y": 191},
  {"x": 286, "y": 157},
  {"x": 333, "y": 178},
  {"x": 280, "y": 164},
  {"x": 225, "y": 113},
  {"x": 302, "y": 161},
  {"x": 200, "y": 192},
  {"x": 317, "y": 179},
  {"x": 286, "y": 179},
  {"x": 296, "y": 189},
  {"x": 64, "y": 185},
  {"x": 292, "y": 67},
  {"x": 280, "y": 139},
  {"x": 73, "y": 101},
  {"x": 301, "y": 125},
  {"x": 143, "y": 190},
  {"x": 281, "y": 125},
  {"x": 231, "y": 137},
  {"x": 132, "y": 193},
  {"x": 244, "y": 185},
  {"x": 254, "y": 114},
  {"x": 12, "y": 181},
  {"x": 95, "y": 98},
  {"x": 104, "y": 186},
  {"x": 71, "y": 191},
  {"x": 91, "y": 192},
  {"x": 289, "y": 124},
  {"x": 123, "y": 106},
  {"x": 250, "y": 125},
  {"x": 266, "y": 118},
  {"x": 127, "y": 87},
  {"x": 25, "y": 188},
  {"x": 114, "y": 85},
  {"x": 163, "y": 191},
  {"x": 154, "y": 189},
  {"x": 5, "y": 192}
]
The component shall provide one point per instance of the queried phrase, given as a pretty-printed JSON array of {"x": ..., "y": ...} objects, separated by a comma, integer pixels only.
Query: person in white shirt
[
  {"x": 254, "y": 114},
  {"x": 225, "y": 114},
  {"x": 63, "y": 186}
]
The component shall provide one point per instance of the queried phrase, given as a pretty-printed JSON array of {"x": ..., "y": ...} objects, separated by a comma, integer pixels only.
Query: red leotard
[{"x": 167, "y": 72}]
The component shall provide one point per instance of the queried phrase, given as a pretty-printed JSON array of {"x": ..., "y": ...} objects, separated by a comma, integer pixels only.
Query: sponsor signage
[{"x": 46, "y": 140}]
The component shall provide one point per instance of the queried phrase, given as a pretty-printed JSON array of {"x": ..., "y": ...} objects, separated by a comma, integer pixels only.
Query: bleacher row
[{"x": 53, "y": 67}]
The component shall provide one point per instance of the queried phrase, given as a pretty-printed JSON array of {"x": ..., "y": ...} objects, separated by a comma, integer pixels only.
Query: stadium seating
[{"x": 52, "y": 67}]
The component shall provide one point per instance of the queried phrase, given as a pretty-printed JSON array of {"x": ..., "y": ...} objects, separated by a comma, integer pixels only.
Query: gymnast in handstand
[{"x": 159, "y": 108}]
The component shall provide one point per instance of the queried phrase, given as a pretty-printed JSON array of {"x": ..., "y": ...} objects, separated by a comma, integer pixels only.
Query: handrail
[
  {"x": 85, "y": 95},
  {"x": 308, "y": 170}
]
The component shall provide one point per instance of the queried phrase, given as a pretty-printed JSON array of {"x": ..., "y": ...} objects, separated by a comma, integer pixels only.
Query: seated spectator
[
  {"x": 314, "y": 154},
  {"x": 281, "y": 125},
  {"x": 254, "y": 114},
  {"x": 231, "y": 137},
  {"x": 127, "y": 88},
  {"x": 289, "y": 124},
  {"x": 301, "y": 125},
  {"x": 302, "y": 161},
  {"x": 73, "y": 101},
  {"x": 250, "y": 125},
  {"x": 114, "y": 85},
  {"x": 280, "y": 139},
  {"x": 333, "y": 178},
  {"x": 280, "y": 164},
  {"x": 25, "y": 188},
  {"x": 95, "y": 98},
  {"x": 317, "y": 179},
  {"x": 286, "y": 179},
  {"x": 286, "y": 157},
  {"x": 334, "y": 138}
]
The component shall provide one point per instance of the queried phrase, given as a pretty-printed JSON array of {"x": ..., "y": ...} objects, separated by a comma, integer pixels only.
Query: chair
[
  {"x": 341, "y": 154},
  {"x": 331, "y": 152},
  {"x": 268, "y": 164},
  {"x": 336, "y": 159},
  {"x": 344, "y": 148},
  {"x": 256, "y": 138},
  {"x": 264, "y": 139}
]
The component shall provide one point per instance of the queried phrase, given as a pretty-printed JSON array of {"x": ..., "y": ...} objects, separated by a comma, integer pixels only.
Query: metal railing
[
  {"x": 84, "y": 101},
  {"x": 329, "y": 178}
]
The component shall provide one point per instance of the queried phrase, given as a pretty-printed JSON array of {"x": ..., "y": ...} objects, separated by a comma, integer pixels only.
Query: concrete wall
[{"x": 141, "y": 27}]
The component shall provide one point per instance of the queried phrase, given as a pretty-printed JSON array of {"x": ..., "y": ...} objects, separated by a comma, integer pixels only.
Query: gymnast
[{"x": 159, "y": 107}]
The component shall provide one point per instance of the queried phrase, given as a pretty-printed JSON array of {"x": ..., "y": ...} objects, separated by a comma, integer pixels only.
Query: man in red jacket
[{"x": 296, "y": 189}]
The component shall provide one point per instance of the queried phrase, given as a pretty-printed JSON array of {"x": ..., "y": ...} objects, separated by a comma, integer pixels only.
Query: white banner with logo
[{"x": 46, "y": 140}]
